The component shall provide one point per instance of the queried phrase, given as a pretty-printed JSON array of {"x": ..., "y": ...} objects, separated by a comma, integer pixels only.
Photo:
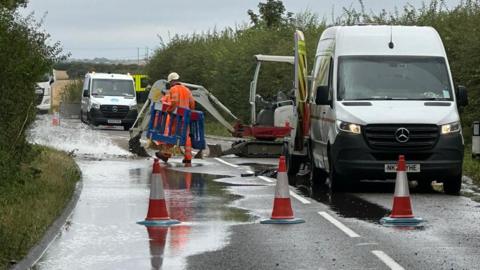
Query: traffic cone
[
  {"x": 282, "y": 208},
  {"x": 157, "y": 208},
  {"x": 55, "y": 119},
  {"x": 402, "y": 214}
]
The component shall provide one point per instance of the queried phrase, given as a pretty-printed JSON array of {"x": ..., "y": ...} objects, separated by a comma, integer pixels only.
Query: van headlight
[
  {"x": 349, "y": 127},
  {"x": 95, "y": 105},
  {"x": 451, "y": 128},
  {"x": 133, "y": 107}
]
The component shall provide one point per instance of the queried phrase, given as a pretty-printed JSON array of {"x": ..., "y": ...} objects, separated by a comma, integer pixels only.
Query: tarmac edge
[{"x": 37, "y": 251}]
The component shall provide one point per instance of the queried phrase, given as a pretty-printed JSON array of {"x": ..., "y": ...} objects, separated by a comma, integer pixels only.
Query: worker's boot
[
  {"x": 162, "y": 156},
  {"x": 187, "y": 161}
]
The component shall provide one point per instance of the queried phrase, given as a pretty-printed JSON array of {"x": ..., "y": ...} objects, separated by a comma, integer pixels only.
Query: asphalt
[{"x": 221, "y": 212}]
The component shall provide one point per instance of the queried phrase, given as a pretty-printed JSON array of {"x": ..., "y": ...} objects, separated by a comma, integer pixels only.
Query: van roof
[
  {"x": 374, "y": 40},
  {"x": 95, "y": 75}
]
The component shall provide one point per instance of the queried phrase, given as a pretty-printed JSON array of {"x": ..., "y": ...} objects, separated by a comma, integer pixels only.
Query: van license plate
[
  {"x": 114, "y": 121},
  {"x": 411, "y": 168}
]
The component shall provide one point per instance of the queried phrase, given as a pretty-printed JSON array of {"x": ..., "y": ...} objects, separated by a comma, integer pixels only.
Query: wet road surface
[{"x": 220, "y": 212}]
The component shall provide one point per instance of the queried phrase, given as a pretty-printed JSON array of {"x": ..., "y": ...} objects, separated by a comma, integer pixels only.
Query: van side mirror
[
  {"x": 321, "y": 97},
  {"x": 462, "y": 96},
  {"x": 85, "y": 93}
]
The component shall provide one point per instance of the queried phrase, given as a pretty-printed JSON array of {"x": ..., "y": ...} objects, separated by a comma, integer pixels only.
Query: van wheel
[
  {"x": 318, "y": 177},
  {"x": 336, "y": 183},
  {"x": 452, "y": 186},
  {"x": 293, "y": 163}
]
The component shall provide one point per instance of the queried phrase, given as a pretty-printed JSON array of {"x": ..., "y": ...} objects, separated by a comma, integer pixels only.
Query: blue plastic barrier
[
  {"x": 175, "y": 131},
  {"x": 197, "y": 130}
]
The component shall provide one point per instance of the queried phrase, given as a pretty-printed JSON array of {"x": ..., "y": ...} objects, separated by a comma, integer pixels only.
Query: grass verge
[
  {"x": 471, "y": 166},
  {"x": 213, "y": 127},
  {"x": 29, "y": 206}
]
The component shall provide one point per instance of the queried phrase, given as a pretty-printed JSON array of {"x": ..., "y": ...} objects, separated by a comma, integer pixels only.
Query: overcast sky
[{"x": 116, "y": 28}]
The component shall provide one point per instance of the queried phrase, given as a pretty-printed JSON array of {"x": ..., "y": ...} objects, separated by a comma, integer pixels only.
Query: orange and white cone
[
  {"x": 282, "y": 207},
  {"x": 55, "y": 119},
  {"x": 157, "y": 208},
  {"x": 402, "y": 214}
]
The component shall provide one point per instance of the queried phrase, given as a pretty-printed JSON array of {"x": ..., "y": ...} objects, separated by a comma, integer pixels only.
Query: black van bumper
[{"x": 355, "y": 159}]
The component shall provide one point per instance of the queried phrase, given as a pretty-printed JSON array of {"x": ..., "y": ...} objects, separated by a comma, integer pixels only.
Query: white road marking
[
  {"x": 292, "y": 193},
  {"x": 250, "y": 172},
  {"x": 227, "y": 163},
  {"x": 392, "y": 264},
  {"x": 266, "y": 179},
  {"x": 299, "y": 197},
  {"x": 339, "y": 225}
]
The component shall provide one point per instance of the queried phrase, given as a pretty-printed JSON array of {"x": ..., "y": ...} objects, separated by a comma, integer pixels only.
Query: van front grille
[
  {"x": 114, "y": 111},
  {"x": 389, "y": 137}
]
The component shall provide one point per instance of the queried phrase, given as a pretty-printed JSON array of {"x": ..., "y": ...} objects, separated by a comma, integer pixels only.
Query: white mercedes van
[
  {"x": 108, "y": 99},
  {"x": 378, "y": 92}
]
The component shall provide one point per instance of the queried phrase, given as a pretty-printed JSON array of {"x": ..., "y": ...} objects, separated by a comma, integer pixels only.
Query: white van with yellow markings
[{"x": 377, "y": 92}]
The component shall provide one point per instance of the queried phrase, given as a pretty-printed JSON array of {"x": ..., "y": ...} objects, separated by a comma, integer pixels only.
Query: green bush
[
  {"x": 25, "y": 58},
  {"x": 77, "y": 70},
  {"x": 72, "y": 93},
  {"x": 223, "y": 60}
]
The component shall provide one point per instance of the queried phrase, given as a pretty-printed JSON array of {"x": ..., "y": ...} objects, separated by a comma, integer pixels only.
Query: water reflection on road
[{"x": 104, "y": 235}]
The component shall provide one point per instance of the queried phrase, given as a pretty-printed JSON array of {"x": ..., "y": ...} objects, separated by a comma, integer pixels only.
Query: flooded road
[
  {"x": 220, "y": 203},
  {"x": 103, "y": 234}
]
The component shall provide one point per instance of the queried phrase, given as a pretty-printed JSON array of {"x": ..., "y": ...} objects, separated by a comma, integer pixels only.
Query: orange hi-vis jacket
[{"x": 180, "y": 96}]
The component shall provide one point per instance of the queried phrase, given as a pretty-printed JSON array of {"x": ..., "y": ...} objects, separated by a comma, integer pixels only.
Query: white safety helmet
[{"x": 173, "y": 77}]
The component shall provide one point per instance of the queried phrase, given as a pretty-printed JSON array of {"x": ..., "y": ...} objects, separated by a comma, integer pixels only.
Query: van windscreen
[
  {"x": 112, "y": 87},
  {"x": 393, "y": 78}
]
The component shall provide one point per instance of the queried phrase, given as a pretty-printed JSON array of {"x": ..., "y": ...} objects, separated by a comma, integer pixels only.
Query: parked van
[
  {"x": 43, "y": 92},
  {"x": 378, "y": 92},
  {"x": 108, "y": 99}
]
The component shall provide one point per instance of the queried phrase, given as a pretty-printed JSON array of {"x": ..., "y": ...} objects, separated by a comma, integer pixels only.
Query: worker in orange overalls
[{"x": 178, "y": 96}]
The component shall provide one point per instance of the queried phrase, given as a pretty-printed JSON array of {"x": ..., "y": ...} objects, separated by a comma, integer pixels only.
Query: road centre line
[
  {"x": 266, "y": 179},
  {"x": 298, "y": 197},
  {"x": 338, "y": 224},
  {"x": 227, "y": 163},
  {"x": 392, "y": 264}
]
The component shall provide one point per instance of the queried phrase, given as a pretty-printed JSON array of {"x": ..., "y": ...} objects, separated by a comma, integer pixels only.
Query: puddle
[
  {"x": 74, "y": 137},
  {"x": 103, "y": 233},
  {"x": 267, "y": 170},
  {"x": 469, "y": 189},
  {"x": 350, "y": 206}
]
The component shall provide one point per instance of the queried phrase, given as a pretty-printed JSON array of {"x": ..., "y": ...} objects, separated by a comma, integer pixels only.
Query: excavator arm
[{"x": 205, "y": 98}]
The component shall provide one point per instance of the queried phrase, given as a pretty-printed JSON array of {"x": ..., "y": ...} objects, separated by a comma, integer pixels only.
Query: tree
[
  {"x": 25, "y": 56},
  {"x": 271, "y": 14},
  {"x": 12, "y": 4}
]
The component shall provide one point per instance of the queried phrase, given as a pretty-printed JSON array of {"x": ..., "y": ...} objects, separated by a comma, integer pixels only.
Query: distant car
[
  {"x": 43, "y": 91},
  {"x": 109, "y": 99}
]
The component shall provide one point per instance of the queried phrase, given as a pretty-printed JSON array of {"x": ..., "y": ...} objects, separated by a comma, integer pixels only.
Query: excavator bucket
[
  {"x": 214, "y": 150},
  {"x": 136, "y": 147}
]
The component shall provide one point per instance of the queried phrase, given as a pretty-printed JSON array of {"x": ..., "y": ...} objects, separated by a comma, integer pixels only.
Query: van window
[
  {"x": 321, "y": 73},
  {"x": 393, "y": 78},
  {"x": 112, "y": 87}
]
